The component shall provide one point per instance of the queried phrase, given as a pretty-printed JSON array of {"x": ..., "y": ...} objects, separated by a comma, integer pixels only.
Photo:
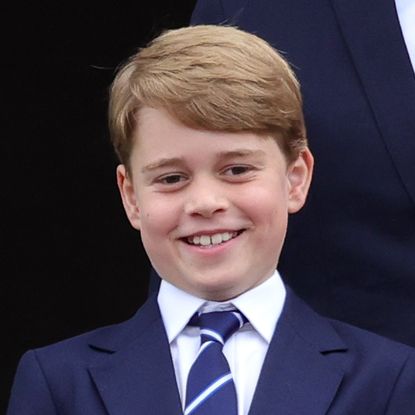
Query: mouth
[{"x": 209, "y": 240}]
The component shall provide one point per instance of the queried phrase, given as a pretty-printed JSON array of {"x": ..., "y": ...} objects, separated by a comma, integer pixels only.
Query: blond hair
[{"x": 208, "y": 77}]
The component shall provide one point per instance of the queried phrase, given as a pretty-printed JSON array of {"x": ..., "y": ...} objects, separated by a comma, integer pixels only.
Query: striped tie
[{"x": 210, "y": 387}]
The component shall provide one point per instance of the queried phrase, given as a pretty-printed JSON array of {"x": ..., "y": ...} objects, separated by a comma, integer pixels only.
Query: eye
[
  {"x": 237, "y": 170},
  {"x": 171, "y": 179}
]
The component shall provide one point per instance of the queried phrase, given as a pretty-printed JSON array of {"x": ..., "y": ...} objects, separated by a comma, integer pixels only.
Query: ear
[
  {"x": 299, "y": 175},
  {"x": 128, "y": 196}
]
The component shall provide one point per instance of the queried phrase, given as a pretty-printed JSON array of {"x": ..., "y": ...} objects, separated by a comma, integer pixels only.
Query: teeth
[
  {"x": 226, "y": 236},
  {"x": 205, "y": 240},
  {"x": 215, "y": 239}
]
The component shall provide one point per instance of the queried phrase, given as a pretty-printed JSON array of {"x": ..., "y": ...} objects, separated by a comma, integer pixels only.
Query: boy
[{"x": 208, "y": 126}]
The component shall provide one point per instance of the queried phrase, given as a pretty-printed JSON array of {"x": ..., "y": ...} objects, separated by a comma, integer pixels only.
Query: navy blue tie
[{"x": 210, "y": 387}]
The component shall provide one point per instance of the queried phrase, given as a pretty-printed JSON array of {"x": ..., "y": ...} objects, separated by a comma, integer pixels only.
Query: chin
[{"x": 219, "y": 292}]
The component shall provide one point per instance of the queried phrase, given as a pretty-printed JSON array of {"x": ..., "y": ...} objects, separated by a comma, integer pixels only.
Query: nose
[{"x": 205, "y": 198}]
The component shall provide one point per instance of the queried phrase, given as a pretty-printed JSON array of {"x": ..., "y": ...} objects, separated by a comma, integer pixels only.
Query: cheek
[
  {"x": 157, "y": 219},
  {"x": 267, "y": 203}
]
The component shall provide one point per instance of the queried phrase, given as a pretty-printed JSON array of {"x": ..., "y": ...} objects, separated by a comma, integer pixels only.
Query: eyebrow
[
  {"x": 163, "y": 162},
  {"x": 224, "y": 155},
  {"x": 241, "y": 153}
]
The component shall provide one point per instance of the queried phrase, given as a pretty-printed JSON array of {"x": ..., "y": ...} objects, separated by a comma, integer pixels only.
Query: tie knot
[{"x": 219, "y": 325}]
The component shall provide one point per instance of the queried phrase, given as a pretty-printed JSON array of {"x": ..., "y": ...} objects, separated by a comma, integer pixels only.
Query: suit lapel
[
  {"x": 297, "y": 377},
  {"x": 372, "y": 33},
  {"x": 139, "y": 377}
]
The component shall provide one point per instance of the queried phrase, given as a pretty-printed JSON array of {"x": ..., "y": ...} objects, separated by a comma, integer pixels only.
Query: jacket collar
[
  {"x": 298, "y": 377},
  {"x": 135, "y": 373}
]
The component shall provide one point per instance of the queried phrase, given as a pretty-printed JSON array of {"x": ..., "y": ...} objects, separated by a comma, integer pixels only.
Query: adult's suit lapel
[
  {"x": 297, "y": 377},
  {"x": 374, "y": 38},
  {"x": 138, "y": 377}
]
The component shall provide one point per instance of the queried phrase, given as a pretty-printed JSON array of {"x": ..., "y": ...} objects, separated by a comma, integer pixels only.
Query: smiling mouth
[{"x": 212, "y": 240}]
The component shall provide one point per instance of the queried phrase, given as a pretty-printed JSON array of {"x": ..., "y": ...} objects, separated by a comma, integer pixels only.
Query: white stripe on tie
[
  {"x": 213, "y": 334},
  {"x": 204, "y": 346},
  {"x": 207, "y": 392},
  {"x": 239, "y": 317}
]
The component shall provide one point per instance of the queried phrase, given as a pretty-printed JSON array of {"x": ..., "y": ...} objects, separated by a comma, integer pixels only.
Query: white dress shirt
[
  {"x": 245, "y": 350},
  {"x": 406, "y": 15}
]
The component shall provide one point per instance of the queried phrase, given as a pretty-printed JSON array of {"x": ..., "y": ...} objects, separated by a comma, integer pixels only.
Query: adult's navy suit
[
  {"x": 314, "y": 366},
  {"x": 351, "y": 251}
]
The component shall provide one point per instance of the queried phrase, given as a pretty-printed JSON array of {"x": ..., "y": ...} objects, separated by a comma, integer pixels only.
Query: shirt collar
[
  {"x": 176, "y": 308},
  {"x": 262, "y": 306}
]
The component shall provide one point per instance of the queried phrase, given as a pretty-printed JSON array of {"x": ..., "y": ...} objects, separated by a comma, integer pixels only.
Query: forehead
[{"x": 158, "y": 134}]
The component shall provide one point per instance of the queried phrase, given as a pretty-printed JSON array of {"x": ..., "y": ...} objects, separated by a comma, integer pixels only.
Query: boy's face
[{"x": 211, "y": 207}]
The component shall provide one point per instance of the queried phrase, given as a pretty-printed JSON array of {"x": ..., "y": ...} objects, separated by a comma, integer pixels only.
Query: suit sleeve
[
  {"x": 402, "y": 399},
  {"x": 30, "y": 393}
]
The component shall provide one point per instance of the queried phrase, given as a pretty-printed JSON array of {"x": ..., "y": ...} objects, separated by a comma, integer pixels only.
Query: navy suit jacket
[
  {"x": 313, "y": 366},
  {"x": 351, "y": 252}
]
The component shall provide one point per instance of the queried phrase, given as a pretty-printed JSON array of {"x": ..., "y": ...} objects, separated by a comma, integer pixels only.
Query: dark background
[{"x": 69, "y": 259}]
